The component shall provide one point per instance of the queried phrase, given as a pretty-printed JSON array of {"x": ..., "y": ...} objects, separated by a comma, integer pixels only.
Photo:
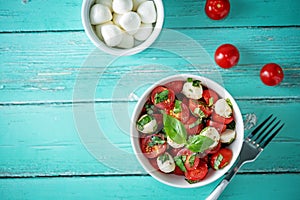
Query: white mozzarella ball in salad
[
  {"x": 192, "y": 89},
  {"x": 100, "y": 14},
  {"x": 165, "y": 163},
  {"x": 174, "y": 144},
  {"x": 213, "y": 134},
  {"x": 146, "y": 124},
  {"x": 228, "y": 136},
  {"x": 222, "y": 108}
]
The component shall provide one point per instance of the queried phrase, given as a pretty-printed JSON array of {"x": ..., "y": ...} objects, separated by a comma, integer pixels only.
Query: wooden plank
[
  {"x": 52, "y": 140},
  {"x": 52, "y": 64},
  {"x": 38, "y": 15},
  {"x": 145, "y": 187}
]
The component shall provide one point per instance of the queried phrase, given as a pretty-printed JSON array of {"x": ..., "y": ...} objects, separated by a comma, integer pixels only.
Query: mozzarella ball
[
  {"x": 228, "y": 136},
  {"x": 122, "y": 6},
  {"x": 116, "y": 19},
  {"x": 146, "y": 124},
  {"x": 98, "y": 29},
  {"x": 100, "y": 14},
  {"x": 213, "y": 134},
  {"x": 130, "y": 22},
  {"x": 147, "y": 12},
  {"x": 166, "y": 163},
  {"x": 112, "y": 35},
  {"x": 143, "y": 32},
  {"x": 222, "y": 108},
  {"x": 107, "y": 3},
  {"x": 174, "y": 144},
  {"x": 127, "y": 41},
  {"x": 192, "y": 92},
  {"x": 136, "y": 4}
]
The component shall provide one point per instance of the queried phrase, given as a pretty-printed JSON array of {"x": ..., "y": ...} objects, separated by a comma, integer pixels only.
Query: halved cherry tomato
[
  {"x": 214, "y": 150},
  {"x": 220, "y": 119},
  {"x": 220, "y": 127},
  {"x": 183, "y": 116},
  {"x": 192, "y": 127},
  {"x": 207, "y": 94},
  {"x": 271, "y": 74},
  {"x": 197, "y": 174},
  {"x": 191, "y": 162},
  {"x": 176, "y": 86},
  {"x": 153, "y": 145},
  {"x": 163, "y": 97},
  {"x": 217, "y": 9},
  {"x": 227, "y": 56},
  {"x": 221, "y": 158},
  {"x": 194, "y": 104}
]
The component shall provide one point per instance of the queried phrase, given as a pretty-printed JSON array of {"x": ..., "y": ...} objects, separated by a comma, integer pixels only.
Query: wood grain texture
[
  {"x": 145, "y": 187},
  {"x": 38, "y": 140},
  {"x": 56, "y": 15},
  {"x": 49, "y": 66}
]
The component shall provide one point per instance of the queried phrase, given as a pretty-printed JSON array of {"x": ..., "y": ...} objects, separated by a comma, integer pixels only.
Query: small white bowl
[
  {"x": 85, "y": 16},
  {"x": 179, "y": 181}
]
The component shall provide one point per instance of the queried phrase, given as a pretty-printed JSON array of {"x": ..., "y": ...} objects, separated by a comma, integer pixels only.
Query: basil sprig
[
  {"x": 176, "y": 131},
  {"x": 160, "y": 97}
]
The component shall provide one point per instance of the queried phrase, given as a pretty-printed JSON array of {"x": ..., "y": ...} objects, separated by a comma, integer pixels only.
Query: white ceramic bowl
[
  {"x": 179, "y": 181},
  {"x": 85, "y": 16}
]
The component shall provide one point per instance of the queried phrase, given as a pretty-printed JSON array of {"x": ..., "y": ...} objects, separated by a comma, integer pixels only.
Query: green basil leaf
[
  {"x": 218, "y": 161},
  {"x": 177, "y": 107},
  {"x": 196, "y": 123},
  {"x": 143, "y": 121},
  {"x": 192, "y": 160},
  {"x": 180, "y": 163},
  {"x": 155, "y": 140},
  {"x": 199, "y": 143},
  {"x": 189, "y": 79},
  {"x": 174, "y": 129},
  {"x": 162, "y": 96},
  {"x": 210, "y": 101},
  {"x": 196, "y": 83},
  {"x": 192, "y": 182},
  {"x": 163, "y": 158},
  {"x": 231, "y": 125},
  {"x": 229, "y": 103}
]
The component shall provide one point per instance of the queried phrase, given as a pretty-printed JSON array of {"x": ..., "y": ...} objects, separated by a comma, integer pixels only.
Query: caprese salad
[{"x": 185, "y": 128}]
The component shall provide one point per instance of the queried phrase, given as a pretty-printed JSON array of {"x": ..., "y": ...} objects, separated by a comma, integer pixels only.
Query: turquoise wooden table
[{"x": 65, "y": 107}]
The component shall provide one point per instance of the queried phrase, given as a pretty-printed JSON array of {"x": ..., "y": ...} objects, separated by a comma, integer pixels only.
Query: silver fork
[{"x": 253, "y": 145}]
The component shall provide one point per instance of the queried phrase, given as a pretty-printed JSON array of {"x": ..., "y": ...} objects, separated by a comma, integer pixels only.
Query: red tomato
[
  {"x": 197, "y": 174},
  {"x": 191, "y": 127},
  {"x": 214, "y": 150},
  {"x": 221, "y": 158},
  {"x": 271, "y": 74},
  {"x": 184, "y": 152},
  {"x": 174, "y": 151},
  {"x": 183, "y": 116},
  {"x": 217, "y": 9},
  {"x": 193, "y": 104},
  {"x": 227, "y": 56},
  {"x": 177, "y": 171},
  {"x": 220, "y": 119},
  {"x": 164, "y": 102},
  {"x": 152, "y": 149},
  {"x": 153, "y": 162},
  {"x": 176, "y": 86},
  {"x": 207, "y": 94},
  {"x": 190, "y": 164},
  {"x": 220, "y": 127}
]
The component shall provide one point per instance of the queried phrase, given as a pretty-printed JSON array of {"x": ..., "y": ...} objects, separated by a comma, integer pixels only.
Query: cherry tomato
[
  {"x": 227, "y": 56},
  {"x": 221, "y": 158},
  {"x": 177, "y": 171},
  {"x": 163, "y": 97},
  {"x": 183, "y": 116},
  {"x": 217, "y": 9},
  {"x": 220, "y": 127},
  {"x": 271, "y": 74},
  {"x": 192, "y": 127},
  {"x": 191, "y": 162},
  {"x": 176, "y": 86},
  {"x": 174, "y": 151},
  {"x": 207, "y": 94},
  {"x": 214, "y": 150},
  {"x": 193, "y": 104},
  {"x": 153, "y": 162},
  {"x": 220, "y": 119},
  {"x": 197, "y": 174},
  {"x": 184, "y": 152},
  {"x": 153, "y": 145}
]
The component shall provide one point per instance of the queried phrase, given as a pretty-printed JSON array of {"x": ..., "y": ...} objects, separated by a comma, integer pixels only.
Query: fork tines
[{"x": 265, "y": 132}]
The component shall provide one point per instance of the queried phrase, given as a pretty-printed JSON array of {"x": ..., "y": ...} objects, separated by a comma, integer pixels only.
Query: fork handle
[{"x": 218, "y": 190}]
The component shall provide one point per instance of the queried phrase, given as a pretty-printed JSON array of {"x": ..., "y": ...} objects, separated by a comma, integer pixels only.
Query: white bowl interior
[
  {"x": 85, "y": 13},
  {"x": 178, "y": 181}
]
